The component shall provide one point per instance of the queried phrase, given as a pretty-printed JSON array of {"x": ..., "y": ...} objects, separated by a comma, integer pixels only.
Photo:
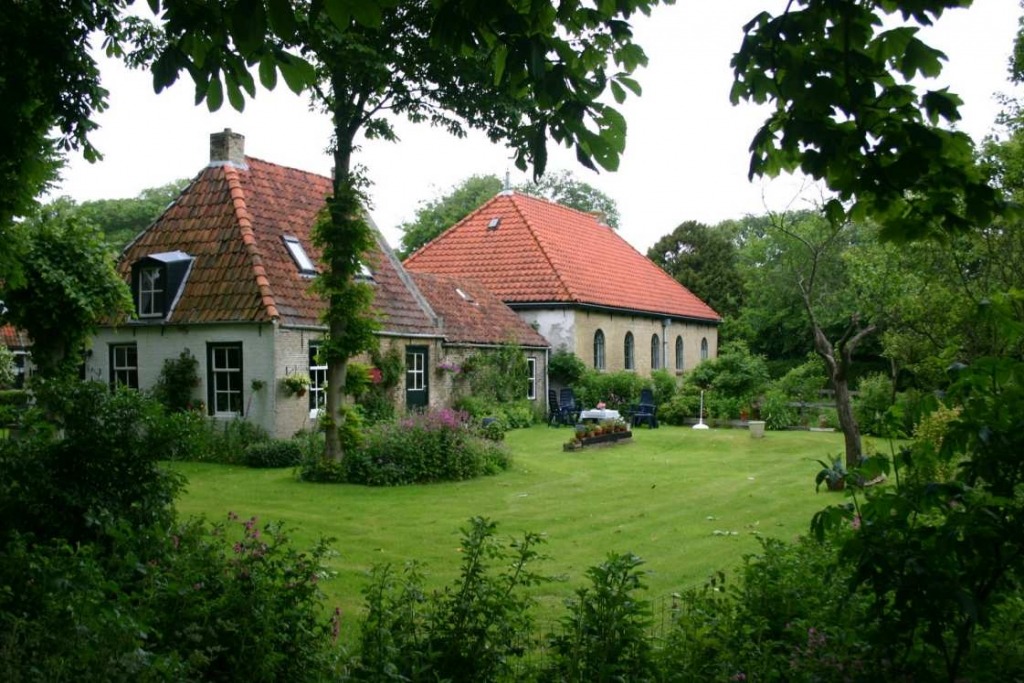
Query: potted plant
[
  {"x": 832, "y": 475},
  {"x": 296, "y": 385}
]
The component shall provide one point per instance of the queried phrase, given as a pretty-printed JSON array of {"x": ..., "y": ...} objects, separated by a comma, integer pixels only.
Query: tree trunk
[{"x": 838, "y": 359}]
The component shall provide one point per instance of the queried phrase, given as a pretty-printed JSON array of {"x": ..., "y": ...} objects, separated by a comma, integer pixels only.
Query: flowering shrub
[{"x": 433, "y": 446}]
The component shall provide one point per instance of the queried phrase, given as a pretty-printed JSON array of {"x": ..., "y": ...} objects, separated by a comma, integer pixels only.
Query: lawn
[{"x": 688, "y": 502}]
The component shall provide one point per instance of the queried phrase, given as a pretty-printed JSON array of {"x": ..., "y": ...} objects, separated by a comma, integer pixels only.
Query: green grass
[{"x": 674, "y": 496}]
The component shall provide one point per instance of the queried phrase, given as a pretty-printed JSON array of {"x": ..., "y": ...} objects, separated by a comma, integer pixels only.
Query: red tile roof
[
  {"x": 233, "y": 220},
  {"x": 527, "y": 250},
  {"x": 13, "y": 338},
  {"x": 471, "y": 314}
]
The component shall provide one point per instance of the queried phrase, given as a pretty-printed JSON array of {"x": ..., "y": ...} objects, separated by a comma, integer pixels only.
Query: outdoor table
[{"x": 599, "y": 415}]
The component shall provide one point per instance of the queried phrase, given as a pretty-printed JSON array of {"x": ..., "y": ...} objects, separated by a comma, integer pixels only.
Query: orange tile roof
[
  {"x": 540, "y": 253},
  {"x": 13, "y": 338},
  {"x": 232, "y": 220},
  {"x": 471, "y": 314}
]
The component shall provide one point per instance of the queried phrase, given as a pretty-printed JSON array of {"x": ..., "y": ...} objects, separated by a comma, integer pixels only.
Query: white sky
[{"x": 686, "y": 153}]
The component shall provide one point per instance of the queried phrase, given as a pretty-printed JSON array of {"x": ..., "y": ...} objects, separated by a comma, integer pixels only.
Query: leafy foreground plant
[{"x": 474, "y": 630}]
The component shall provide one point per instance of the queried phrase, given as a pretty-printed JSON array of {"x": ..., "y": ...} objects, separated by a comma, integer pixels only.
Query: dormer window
[
  {"x": 151, "y": 292},
  {"x": 302, "y": 260},
  {"x": 157, "y": 281}
]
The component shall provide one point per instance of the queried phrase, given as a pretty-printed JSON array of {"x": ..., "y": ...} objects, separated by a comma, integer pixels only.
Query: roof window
[
  {"x": 302, "y": 260},
  {"x": 494, "y": 223},
  {"x": 365, "y": 274},
  {"x": 157, "y": 282}
]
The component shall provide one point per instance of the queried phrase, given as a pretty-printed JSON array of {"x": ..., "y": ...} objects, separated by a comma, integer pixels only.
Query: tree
[
  {"x": 443, "y": 212},
  {"x": 399, "y": 62},
  {"x": 562, "y": 187},
  {"x": 69, "y": 286},
  {"x": 704, "y": 260},
  {"x": 845, "y": 111},
  {"x": 120, "y": 220},
  {"x": 810, "y": 250}
]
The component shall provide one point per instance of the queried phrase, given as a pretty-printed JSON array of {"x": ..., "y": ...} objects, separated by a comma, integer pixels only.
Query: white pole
[{"x": 700, "y": 423}]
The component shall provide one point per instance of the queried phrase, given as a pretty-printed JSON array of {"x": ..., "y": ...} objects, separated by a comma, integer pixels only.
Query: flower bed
[{"x": 610, "y": 437}]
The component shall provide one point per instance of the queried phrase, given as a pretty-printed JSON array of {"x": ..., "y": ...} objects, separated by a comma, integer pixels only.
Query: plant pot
[
  {"x": 756, "y": 428},
  {"x": 837, "y": 485}
]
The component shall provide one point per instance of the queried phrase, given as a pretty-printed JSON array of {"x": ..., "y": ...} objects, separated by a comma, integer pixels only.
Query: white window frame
[
  {"x": 150, "y": 292},
  {"x": 219, "y": 371},
  {"x": 531, "y": 377},
  {"x": 317, "y": 380},
  {"x": 417, "y": 373},
  {"x": 298, "y": 253},
  {"x": 121, "y": 367}
]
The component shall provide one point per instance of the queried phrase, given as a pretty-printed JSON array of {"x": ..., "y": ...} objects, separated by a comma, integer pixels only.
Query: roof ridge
[
  {"x": 403, "y": 274},
  {"x": 540, "y": 245},
  {"x": 244, "y": 221}
]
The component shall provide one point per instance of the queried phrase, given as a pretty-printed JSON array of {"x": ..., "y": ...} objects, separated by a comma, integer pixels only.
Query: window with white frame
[
  {"x": 679, "y": 352},
  {"x": 317, "y": 378},
  {"x": 298, "y": 254},
  {"x": 224, "y": 378},
  {"x": 124, "y": 365},
  {"x": 599, "y": 350},
  {"x": 704, "y": 348},
  {"x": 151, "y": 292},
  {"x": 655, "y": 352},
  {"x": 629, "y": 352},
  {"x": 531, "y": 378}
]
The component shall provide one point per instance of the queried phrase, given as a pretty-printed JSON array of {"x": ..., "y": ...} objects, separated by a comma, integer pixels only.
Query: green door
[{"x": 417, "y": 385}]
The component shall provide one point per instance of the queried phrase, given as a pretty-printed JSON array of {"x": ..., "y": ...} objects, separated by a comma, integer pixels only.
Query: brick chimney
[{"x": 227, "y": 148}]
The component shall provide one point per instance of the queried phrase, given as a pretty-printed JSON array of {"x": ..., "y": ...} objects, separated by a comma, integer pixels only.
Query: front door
[{"x": 417, "y": 386}]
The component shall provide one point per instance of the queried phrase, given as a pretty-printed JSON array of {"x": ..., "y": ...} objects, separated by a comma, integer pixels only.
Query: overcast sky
[{"x": 686, "y": 154}]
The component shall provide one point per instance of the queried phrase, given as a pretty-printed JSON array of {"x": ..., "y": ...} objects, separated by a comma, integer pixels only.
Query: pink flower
[{"x": 855, "y": 522}]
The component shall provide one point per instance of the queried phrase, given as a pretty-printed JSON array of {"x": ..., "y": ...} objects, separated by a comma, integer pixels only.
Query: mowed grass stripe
[{"x": 663, "y": 496}]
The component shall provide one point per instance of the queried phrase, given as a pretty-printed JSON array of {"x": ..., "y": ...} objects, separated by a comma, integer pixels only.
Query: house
[
  {"x": 20, "y": 346},
  {"x": 225, "y": 275},
  {"x": 578, "y": 282}
]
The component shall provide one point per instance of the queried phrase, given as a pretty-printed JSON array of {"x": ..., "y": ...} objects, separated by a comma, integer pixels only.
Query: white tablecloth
[{"x": 595, "y": 414}]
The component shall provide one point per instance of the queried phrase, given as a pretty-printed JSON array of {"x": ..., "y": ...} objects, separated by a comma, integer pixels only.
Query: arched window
[
  {"x": 655, "y": 352},
  {"x": 679, "y": 352},
  {"x": 599, "y": 350},
  {"x": 704, "y": 348},
  {"x": 628, "y": 351}
]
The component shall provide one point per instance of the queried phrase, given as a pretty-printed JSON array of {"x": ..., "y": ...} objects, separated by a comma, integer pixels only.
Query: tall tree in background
[
  {"x": 120, "y": 220},
  {"x": 702, "y": 259},
  {"x": 437, "y": 215},
  {"x": 441, "y": 213}
]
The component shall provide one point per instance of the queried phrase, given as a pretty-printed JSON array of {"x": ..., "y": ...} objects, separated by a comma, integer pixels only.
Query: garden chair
[
  {"x": 556, "y": 417},
  {"x": 645, "y": 412},
  {"x": 567, "y": 402}
]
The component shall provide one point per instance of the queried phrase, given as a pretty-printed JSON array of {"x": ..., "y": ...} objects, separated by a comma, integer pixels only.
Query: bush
[
  {"x": 473, "y": 630},
  {"x": 618, "y": 390},
  {"x": 13, "y": 405},
  {"x": 665, "y": 386},
  {"x": 186, "y": 435},
  {"x": 775, "y": 410},
  {"x": 875, "y": 397},
  {"x": 434, "y": 446},
  {"x": 804, "y": 382},
  {"x": 178, "y": 379},
  {"x": 566, "y": 368},
  {"x": 604, "y": 635},
  {"x": 273, "y": 453}
]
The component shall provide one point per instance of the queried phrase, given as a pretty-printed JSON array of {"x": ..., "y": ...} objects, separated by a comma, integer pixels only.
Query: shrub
[
  {"x": 604, "y": 635},
  {"x": 875, "y": 397},
  {"x": 665, "y": 386},
  {"x": 804, "y": 382},
  {"x": 231, "y": 442},
  {"x": 178, "y": 379},
  {"x": 473, "y": 630},
  {"x": 618, "y": 390},
  {"x": 273, "y": 453},
  {"x": 566, "y": 368},
  {"x": 13, "y": 404},
  {"x": 434, "y": 446},
  {"x": 186, "y": 435},
  {"x": 775, "y": 410}
]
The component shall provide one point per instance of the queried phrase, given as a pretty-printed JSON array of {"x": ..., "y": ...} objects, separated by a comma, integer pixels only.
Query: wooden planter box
[{"x": 600, "y": 439}]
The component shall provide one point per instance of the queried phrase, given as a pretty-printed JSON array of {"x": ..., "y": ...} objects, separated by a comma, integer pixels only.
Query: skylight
[
  {"x": 365, "y": 274},
  {"x": 303, "y": 261}
]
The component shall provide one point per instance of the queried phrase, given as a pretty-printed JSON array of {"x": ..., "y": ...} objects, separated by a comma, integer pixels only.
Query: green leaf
[
  {"x": 340, "y": 14},
  {"x": 367, "y": 13},
  {"x": 498, "y": 61},
  {"x": 235, "y": 97},
  {"x": 248, "y": 25},
  {"x": 618, "y": 93},
  {"x": 282, "y": 18},
  {"x": 298, "y": 74},
  {"x": 268, "y": 72},
  {"x": 214, "y": 93}
]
